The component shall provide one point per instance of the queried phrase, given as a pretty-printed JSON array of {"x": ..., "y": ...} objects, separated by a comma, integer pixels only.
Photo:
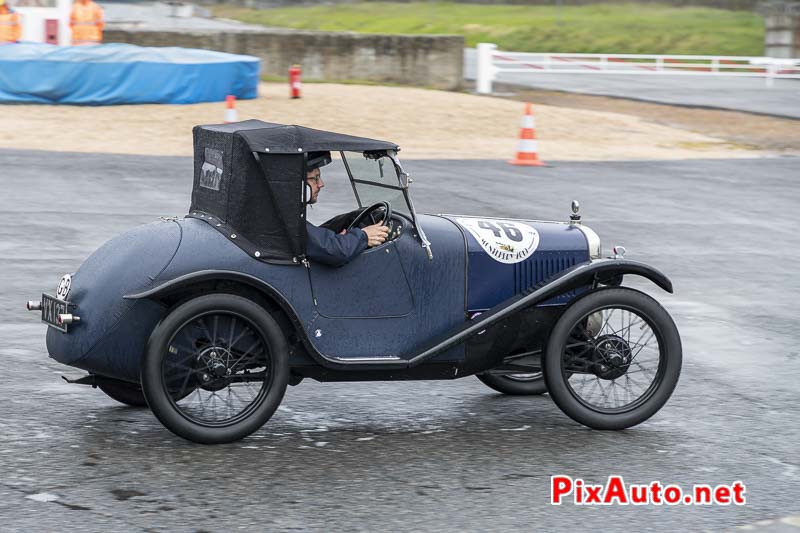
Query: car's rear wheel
[
  {"x": 225, "y": 360},
  {"x": 123, "y": 392},
  {"x": 530, "y": 384},
  {"x": 613, "y": 359}
]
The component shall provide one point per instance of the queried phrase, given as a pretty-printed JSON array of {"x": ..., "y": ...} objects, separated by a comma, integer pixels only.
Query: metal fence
[{"x": 491, "y": 62}]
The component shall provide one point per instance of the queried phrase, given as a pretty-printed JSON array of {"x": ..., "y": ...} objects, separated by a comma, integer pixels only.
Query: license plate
[{"x": 51, "y": 308}]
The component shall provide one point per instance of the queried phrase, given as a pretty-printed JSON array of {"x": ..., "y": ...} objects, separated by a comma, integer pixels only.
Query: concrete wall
[
  {"x": 781, "y": 29},
  {"x": 428, "y": 61}
]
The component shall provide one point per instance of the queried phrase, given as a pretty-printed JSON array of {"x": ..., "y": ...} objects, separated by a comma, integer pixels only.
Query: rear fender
[
  {"x": 270, "y": 297},
  {"x": 164, "y": 290}
]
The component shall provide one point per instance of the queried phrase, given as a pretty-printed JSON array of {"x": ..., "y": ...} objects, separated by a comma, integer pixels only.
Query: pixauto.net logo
[{"x": 616, "y": 492}]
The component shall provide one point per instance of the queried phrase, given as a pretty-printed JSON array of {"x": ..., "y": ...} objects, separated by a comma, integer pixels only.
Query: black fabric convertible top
[
  {"x": 248, "y": 182},
  {"x": 266, "y": 137}
]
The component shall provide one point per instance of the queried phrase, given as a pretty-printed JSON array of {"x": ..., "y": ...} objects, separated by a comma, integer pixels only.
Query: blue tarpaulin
[{"x": 110, "y": 74}]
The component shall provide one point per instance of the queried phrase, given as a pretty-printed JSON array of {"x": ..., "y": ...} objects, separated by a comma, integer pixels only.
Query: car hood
[{"x": 507, "y": 256}]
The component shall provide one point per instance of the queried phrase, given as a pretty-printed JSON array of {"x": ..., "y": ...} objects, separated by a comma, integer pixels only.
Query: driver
[{"x": 325, "y": 246}]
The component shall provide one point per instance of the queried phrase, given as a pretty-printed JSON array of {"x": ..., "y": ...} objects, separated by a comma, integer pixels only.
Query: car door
[
  {"x": 362, "y": 308},
  {"x": 373, "y": 285}
]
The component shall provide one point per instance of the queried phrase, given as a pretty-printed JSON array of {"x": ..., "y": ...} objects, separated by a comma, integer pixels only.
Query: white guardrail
[{"x": 491, "y": 62}]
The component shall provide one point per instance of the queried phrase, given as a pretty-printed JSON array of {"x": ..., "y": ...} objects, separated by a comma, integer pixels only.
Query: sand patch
[{"x": 427, "y": 124}]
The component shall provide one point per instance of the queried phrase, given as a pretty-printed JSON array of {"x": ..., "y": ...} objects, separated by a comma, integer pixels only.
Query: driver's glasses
[{"x": 316, "y": 178}]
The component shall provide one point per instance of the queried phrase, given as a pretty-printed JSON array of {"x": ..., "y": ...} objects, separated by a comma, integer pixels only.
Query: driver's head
[{"x": 316, "y": 160}]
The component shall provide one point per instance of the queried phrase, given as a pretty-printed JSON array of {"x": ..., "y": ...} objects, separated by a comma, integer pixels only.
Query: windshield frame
[{"x": 403, "y": 182}]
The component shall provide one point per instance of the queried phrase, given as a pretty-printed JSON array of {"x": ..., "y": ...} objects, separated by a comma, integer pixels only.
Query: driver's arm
[{"x": 325, "y": 246}]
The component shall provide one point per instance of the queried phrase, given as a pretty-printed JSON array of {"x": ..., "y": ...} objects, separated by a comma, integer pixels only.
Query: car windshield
[
  {"x": 378, "y": 177},
  {"x": 375, "y": 179}
]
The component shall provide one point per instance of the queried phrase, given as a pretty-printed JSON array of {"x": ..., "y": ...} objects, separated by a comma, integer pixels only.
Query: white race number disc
[{"x": 506, "y": 241}]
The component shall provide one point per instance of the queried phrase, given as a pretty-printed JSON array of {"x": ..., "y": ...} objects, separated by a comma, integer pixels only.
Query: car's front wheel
[
  {"x": 531, "y": 384},
  {"x": 613, "y": 359},
  {"x": 225, "y": 359}
]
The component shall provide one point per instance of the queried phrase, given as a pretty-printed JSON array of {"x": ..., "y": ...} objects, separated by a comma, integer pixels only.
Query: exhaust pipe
[{"x": 33, "y": 305}]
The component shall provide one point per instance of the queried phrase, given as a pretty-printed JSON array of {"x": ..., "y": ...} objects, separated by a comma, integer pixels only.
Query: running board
[{"x": 362, "y": 360}]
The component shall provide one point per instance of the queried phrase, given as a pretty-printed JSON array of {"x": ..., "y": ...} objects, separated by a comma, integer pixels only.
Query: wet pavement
[{"x": 420, "y": 455}]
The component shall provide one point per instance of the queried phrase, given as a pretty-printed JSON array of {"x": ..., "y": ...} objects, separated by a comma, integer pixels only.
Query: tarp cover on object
[
  {"x": 260, "y": 200},
  {"x": 110, "y": 74}
]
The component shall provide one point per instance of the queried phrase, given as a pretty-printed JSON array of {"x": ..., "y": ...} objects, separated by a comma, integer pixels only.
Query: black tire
[
  {"x": 166, "y": 363},
  {"x": 560, "y": 363},
  {"x": 516, "y": 384},
  {"x": 124, "y": 392}
]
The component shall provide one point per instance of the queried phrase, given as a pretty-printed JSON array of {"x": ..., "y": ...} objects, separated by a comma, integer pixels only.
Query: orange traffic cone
[
  {"x": 230, "y": 109},
  {"x": 526, "y": 149}
]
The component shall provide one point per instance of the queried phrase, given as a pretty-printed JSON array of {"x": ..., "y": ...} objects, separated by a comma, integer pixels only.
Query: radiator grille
[{"x": 540, "y": 267}]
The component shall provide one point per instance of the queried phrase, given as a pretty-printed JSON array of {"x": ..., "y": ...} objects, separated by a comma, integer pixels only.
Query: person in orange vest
[
  {"x": 9, "y": 24},
  {"x": 86, "y": 23}
]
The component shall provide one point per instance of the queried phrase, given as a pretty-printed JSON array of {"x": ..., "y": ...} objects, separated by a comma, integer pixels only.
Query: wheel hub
[
  {"x": 213, "y": 363},
  {"x": 612, "y": 357}
]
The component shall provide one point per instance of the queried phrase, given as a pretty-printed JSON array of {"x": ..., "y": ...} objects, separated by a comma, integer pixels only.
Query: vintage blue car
[{"x": 208, "y": 318}]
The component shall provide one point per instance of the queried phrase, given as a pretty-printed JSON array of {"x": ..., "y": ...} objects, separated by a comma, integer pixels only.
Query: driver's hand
[{"x": 376, "y": 234}]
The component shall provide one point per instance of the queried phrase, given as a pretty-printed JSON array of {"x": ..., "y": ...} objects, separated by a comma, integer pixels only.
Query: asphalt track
[
  {"x": 717, "y": 92},
  {"x": 423, "y": 455}
]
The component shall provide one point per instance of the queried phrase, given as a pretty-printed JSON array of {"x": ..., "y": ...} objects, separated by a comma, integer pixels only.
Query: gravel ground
[
  {"x": 757, "y": 131},
  {"x": 425, "y": 123}
]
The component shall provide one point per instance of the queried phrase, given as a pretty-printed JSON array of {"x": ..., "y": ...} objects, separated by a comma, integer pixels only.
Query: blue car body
[
  {"x": 452, "y": 300},
  {"x": 394, "y": 289}
]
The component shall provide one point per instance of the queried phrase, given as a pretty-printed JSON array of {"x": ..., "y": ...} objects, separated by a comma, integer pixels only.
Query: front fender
[
  {"x": 580, "y": 275},
  {"x": 605, "y": 269}
]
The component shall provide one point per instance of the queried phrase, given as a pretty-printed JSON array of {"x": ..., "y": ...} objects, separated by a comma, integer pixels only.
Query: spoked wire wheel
[
  {"x": 613, "y": 359},
  {"x": 216, "y": 368},
  {"x": 616, "y": 367},
  {"x": 219, "y": 365}
]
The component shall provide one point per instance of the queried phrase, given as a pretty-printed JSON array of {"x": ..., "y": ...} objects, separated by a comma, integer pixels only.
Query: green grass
[{"x": 599, "y": 28}]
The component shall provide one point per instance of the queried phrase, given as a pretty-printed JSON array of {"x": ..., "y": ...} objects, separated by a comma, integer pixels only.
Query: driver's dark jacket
[{"x": 330, "y": 248}]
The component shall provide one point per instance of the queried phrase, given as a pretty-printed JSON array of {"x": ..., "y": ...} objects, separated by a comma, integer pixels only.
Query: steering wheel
[{"x": 387, "y": 215}]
